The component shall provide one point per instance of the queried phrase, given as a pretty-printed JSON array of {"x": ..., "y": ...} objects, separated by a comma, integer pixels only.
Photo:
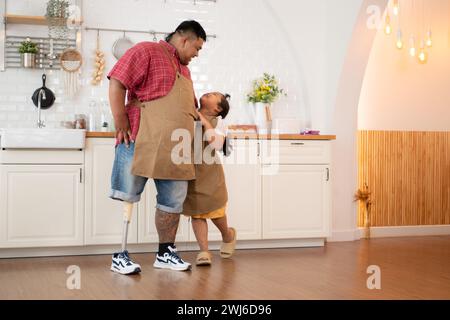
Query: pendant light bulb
[
  {"x": 396, "y": 8},
  {"x": 399, "y": 42},
  {"x": 387, "y": 26},
  {"x": 423, "y": 56},
  {"x": 412, "y": 46},
  {"x": 429, "y": 41}
]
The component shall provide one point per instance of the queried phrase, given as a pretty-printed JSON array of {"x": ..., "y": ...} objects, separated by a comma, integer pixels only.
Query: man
[{"x": 160, "y": 99}]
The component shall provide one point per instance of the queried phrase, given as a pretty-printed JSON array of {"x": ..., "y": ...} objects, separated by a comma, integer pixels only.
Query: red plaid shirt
[{"x": 147, "y": 74}]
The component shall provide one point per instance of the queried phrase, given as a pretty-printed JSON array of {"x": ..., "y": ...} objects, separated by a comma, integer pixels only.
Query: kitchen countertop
[
  {"x": 94, "y": 134},
  {"x": 283, "y": 136},
  {"x": 98, "y": 134}
]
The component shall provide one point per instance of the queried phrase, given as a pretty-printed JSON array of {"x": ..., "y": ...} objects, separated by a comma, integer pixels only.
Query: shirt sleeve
[
  {"x": 221, "y": 128},
  {"x": 132, "y": 67}
]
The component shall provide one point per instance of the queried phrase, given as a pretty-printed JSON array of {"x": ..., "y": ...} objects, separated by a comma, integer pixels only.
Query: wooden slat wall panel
[{"x": 408, "y": 174}]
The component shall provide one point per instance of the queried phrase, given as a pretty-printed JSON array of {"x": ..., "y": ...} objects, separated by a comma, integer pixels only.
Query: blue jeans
[{"x": 128, "y": 187}]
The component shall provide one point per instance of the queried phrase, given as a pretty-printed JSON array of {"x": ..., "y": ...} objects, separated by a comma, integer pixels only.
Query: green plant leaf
[
  {"x": 28, "y": 47},
  {"x": 264, "y": 89}
]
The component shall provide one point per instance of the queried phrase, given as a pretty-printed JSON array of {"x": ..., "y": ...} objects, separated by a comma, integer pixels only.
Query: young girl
[{"x": 207, "y": 194}]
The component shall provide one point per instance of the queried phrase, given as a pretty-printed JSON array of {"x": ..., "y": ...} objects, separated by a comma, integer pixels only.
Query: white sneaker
[
  {"x": 121, "y": 263},
  {"x": 171, "y": 261}
]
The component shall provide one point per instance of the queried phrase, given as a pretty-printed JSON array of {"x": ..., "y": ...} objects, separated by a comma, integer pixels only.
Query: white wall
[
  {"x": 400, "y": 94},
  {"x": 344, "y": 121}
]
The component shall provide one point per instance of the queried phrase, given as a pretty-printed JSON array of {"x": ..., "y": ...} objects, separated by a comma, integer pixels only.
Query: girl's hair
[{"x": 224, "y": 105}]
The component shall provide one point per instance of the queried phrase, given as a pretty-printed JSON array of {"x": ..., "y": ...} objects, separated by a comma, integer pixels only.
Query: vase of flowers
[
  {"x": 265, "y": 91},
  {"x": 28, "y": 50}
]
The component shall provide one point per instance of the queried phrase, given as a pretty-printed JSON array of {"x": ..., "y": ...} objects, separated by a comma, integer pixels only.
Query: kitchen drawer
[
  {"x": 295, "y": 152},
  {"x": 41, "y": 156}
]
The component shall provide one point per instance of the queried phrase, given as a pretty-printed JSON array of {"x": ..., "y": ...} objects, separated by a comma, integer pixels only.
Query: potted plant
[
  {"x": 363, "y": 196},
  {"x": 56, "y": 15},
  {"x": 265, "y": 91},
  {"x": 28, "y": 50}
]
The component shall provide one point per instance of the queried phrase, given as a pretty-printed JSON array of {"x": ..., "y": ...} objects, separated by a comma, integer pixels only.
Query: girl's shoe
[
  {"x": 203, "y": 259},
  {"x": 227, "y": 248}
]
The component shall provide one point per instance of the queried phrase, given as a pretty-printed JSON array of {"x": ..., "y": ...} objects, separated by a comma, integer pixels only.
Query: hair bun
[{"x": 227, "y": 96}]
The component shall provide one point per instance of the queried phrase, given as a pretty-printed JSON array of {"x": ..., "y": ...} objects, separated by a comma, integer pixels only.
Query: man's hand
[
  {"x": 117, "y": 92},
  {"x": 123, "y": 132}
]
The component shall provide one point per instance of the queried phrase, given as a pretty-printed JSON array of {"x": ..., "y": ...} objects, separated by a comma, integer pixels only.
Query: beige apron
[
  {"x": 159, "y": 118},
  {"x": 208, "y": 192}
]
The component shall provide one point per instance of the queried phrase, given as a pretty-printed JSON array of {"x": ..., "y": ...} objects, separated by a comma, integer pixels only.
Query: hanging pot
[
  {"x": 121, "y": 46},
  {"x": 49, "y": 96}
]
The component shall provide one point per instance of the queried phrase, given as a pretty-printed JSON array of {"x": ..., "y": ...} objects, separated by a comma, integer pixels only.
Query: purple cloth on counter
[{"x": 314, "y": 132}]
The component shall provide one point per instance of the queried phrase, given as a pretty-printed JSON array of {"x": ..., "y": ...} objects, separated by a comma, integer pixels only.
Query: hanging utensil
[
  {"x": 49, "y": 95},
  {"x": 51, "y": 55},
  {"x": 99, "y": 63},
  {"x": 71, "y": 61},
  {"x": 121, "y": 46}
]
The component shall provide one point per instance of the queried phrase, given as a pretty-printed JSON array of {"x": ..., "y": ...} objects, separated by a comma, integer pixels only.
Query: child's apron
[
  {"x": 159, "y": 118},
  {"x": 208, "y": 192}
]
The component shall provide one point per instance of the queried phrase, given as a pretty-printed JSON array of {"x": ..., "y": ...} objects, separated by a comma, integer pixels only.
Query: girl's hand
[{"x": 202, "y": 118}]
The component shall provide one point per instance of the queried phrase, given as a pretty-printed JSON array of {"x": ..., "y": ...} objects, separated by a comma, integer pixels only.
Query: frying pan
[
  {"x": 121, "y": 46},
  {"x": 49, "y": 96}
]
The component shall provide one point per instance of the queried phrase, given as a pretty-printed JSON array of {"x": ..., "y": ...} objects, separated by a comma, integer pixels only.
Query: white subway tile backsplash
[
  {"x": 249, "y": 42},
  {"x": 18, "y": 98},
  {"x": 14, "y": 116},
  {"x": 59, "y": 109}
]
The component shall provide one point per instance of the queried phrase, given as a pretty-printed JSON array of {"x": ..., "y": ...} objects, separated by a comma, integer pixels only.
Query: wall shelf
[
  {"x": 43, "y": 58},
  {"x": 9, "y": 55},
  {"x": 20, "y": 19},
  {"x": 33, "y": 20}
]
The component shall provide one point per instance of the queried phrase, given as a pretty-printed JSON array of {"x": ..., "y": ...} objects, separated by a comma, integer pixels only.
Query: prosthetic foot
[{"x": 121, "y": 261}]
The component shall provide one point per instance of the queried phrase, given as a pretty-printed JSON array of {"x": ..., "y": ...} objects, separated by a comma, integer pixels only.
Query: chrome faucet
[{"x": 41, "y": 95}]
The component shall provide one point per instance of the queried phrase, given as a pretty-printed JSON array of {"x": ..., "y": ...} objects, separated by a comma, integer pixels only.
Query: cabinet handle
[
  {"x": 81, "y": 175},
  {"x": 297, "y": 143},
  {"x": 328, "y": 174},
  {"x": 258, "y": 150}
]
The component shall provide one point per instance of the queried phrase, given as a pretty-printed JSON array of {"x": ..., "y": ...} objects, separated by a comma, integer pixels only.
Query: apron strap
[{"x": 175, "y": 68}]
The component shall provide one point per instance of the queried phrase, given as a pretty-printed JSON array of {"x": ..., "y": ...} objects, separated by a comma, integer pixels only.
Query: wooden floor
[{"x": 411, "y": 268}]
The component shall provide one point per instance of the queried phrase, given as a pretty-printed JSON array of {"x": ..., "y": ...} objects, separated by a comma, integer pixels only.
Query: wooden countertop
[
  {"x": 94, "y": 134},
  {"x": 98, "y": 134},
  {"x": 281, "y": 136}
]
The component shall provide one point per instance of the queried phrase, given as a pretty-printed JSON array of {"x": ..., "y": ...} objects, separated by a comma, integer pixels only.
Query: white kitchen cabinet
[
  {"x": 41, "y": 205},
  {"x": 243, "y": 179},
  {"x": 279, "y": 194},
  {"x": 103, "y": 215},
  {"x": 296, "y": 189},
  {"x": 104, "y": 222},
  {"x": 296, "y": 202}
]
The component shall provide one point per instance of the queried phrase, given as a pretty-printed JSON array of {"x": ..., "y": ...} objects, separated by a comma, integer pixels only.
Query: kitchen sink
[{"x": 42, "y": 138}]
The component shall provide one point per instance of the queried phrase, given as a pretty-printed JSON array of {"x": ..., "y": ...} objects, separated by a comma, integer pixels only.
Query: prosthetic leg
[
  {"x": 127, "y": 212},
  {"x": 121, "y": 261}
]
